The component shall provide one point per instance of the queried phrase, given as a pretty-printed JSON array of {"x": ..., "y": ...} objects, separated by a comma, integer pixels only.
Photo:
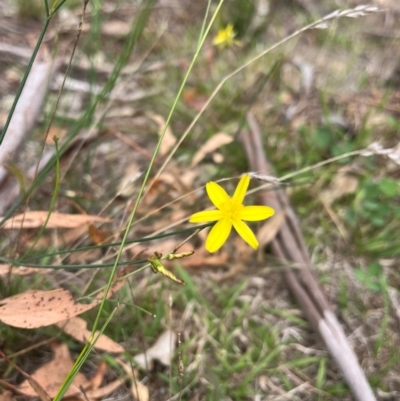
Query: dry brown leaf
[
  {"x": 129, "y": 182},
  {"x": 64, "y": 238},
  {"x": 77, "y": 328},
  {"x": 97, "y": 236},
  {"x": 97, "y": 379},
  {"x": 116, "y": 29},
  {"x": 6, "y": 396},
  {"x": 193, "y": 98},
  {"x": 217, "y": 158},
  {"x": 51, "y": 375},
  {"x": 36, "y": 218},
  {"x": 21, "y": 270},
  {"x": 214, "y": 143},
  {"x": 37, "y": 388},
  {"x": 242, "y": 251},
  {"x": 335, "y": 218},
  {"x": 57, "y": 131},
  {"x": 187, "y": 177},
  {"x": 34, "y": 309},
  {"x": 166, "y": 184},
  {"x": 169, "y": 139},
  {"x": 34, "y": 384},
  {"x": 102, "y": 392},
  {"x": 140, "y": 392},
  {"x": 162, "y": 350},
  {"x": 342, "y": 184},
  {"x": 154, "y": 191},
  {"x": 270, "y": 228}
]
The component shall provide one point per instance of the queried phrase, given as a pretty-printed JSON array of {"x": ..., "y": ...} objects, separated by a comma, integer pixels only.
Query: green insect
[{"x": 158, "y": 267}]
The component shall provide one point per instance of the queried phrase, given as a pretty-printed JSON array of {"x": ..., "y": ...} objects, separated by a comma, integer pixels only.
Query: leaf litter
[
  {"x": 34, "y": 309},
  {"x": 162, "y": 350},
  {"x": 37, "y": 218},
  {"x": 51, "y": 375},
  {"x": 76, "y": 327}
]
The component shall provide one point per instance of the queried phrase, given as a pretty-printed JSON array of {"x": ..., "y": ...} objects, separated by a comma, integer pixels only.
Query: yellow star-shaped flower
[
  {"x": 225, "y": 37},
  {"x": 230, "y": 212}
]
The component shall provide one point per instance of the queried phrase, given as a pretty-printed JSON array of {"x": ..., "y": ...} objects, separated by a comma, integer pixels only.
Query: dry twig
[{"x": 289, "y": 246}]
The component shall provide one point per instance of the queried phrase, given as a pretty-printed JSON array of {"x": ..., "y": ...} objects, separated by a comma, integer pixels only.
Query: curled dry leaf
[
  {"x": 77, "y": 328},
  {"x": 102, "y": 392},
  {"x": 193, "y": 98},
  {"x": 187, "y": 177},
  {"x": 64, "y": 238},
  {"x": 342, "y": 184},
  {"x": 51, "y": 375},
  {"x": 129, "y": 182},
  {"x": 34, "y": 384},
  {"x": 270, "y": 228},
  {"x": 116, "y": 29},
  {"x": 34, "y": 309},
  {"x": 139, "y": 391},
  {"x": 214, "y": 143},
  {"x": 169, "y": 139},
  {"x": 98, "y": 236},
  {"x": 37, "y": 218},
  {"x": 162, "y": 350},
  {"x": 97, "y": 379}
]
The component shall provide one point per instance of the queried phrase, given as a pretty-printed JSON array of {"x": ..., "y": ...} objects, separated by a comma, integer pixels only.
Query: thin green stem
[
  {"x": 72, "y": 267},
  {"x": 203, "y": 25},
  {"x": 82, "y": 358},
  {"x": 46, "y": 6},
  {"x": 115, "y": 244},
  {"x": 53, "y": 200},
  {"x": 55, "y": 7},
  {"x": 141, "y": 191}
]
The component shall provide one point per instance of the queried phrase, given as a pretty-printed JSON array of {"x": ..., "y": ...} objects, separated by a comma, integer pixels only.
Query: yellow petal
[
  {"x": 205, "y": 216},
  {"x": 245, "y": 232},
  {"x": 217, "y": 194},
  {"x": 218, "y": 39},
  {"x": 241, "y": 189},
  {"x": 224, "y": 36},
  {"x": 218, "y": 235},
  {"x": 256, "y": 213}
]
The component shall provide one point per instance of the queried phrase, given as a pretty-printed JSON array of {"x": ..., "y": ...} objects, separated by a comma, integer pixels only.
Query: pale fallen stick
[
  {"x": 289, "y": 247},
  {"x": 27, "y": 111}
]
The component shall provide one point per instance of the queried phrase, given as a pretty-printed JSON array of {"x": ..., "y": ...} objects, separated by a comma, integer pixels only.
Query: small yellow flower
[
  {"x": 231, "y": 212},
  {"x": 225, "y": 37}
]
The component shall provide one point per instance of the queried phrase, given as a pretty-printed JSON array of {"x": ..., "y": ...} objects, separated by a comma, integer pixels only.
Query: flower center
[{"x": 231, "y": 209}]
